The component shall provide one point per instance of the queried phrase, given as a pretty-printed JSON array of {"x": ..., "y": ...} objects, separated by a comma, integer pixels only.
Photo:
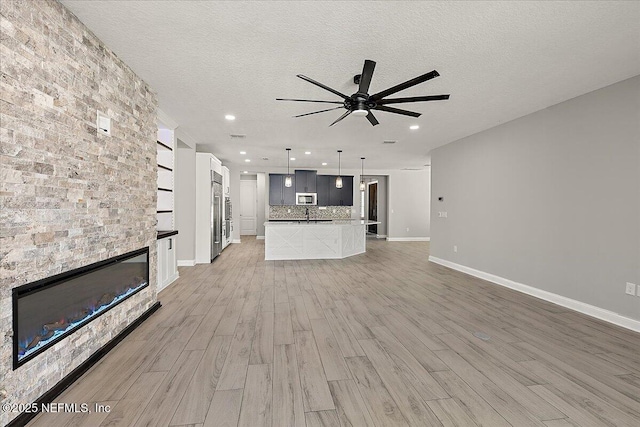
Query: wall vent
[
  {"x": 237, "y": 136},
  {"x": 389, "y": 141}
]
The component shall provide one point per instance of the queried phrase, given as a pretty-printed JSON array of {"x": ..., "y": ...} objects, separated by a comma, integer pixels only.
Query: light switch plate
[{"x": 631, "y": 289}]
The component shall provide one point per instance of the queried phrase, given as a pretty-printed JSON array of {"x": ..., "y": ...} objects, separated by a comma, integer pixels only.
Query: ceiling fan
[{"x": 362, "y": 104}]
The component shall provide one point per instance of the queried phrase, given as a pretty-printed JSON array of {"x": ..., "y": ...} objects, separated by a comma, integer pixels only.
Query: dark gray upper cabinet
[
  {"x": 276, "y": 183},
  {"x": 289, "y": 193},
  {"x": 306, "y": 181},
  {"x": 341, "y": 196},
  {"x": 347, "y": 191},
  {"x": 324, "y": 185},
  {"x": 322, "y": 188},
  {"x": 280, "y": 195}
]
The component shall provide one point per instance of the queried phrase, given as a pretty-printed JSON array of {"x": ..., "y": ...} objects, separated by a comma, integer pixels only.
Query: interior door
[
  {"x": 248, "y": 207},
  {"x": 373, "y": 206}
]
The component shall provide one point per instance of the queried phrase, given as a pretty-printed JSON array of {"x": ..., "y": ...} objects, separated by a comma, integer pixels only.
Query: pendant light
[
  {"x": 287, "y": 179},
  {"x": 362, "y": 184},
  {"x": 339, "y": 178}
]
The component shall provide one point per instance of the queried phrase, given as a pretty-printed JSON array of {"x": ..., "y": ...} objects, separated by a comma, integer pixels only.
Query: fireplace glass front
[{"x": 48, "y": 310}]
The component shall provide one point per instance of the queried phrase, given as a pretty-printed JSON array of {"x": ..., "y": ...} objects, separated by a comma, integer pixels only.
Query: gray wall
[
  {"x": 409, "y": 204},
  {"x": 550, "y": 200},
  {"x": 185, "y": 200}
]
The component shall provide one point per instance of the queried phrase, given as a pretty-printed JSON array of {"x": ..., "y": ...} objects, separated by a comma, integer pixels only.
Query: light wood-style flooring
[{"x": 380, "y": 339}]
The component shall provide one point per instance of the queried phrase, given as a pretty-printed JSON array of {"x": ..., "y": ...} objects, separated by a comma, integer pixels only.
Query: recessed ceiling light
[
  {"x": 265, "y": 158},
  {"x": 243, "y": 152},
  {"x": 293, "y": 158},
  {"x": 414, "y": 127},
  {"x": 230, "y": 117},
  {"x": 324, "y": 164},
  {"x": 247, "y": 160},
  {"x": 307, "y": 152}
]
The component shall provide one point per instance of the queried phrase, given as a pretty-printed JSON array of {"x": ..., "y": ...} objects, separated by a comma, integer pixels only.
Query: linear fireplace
[{"x": 48, "y": 310}]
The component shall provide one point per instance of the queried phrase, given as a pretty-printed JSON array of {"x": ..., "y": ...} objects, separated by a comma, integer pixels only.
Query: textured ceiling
[{"x": 498, "y": 60}]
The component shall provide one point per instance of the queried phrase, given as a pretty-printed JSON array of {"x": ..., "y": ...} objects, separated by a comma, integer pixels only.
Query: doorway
[
  {"x": 372, "y": 210},
  {"x": 248, "y": 207},
  {"x": 374, "y": 204}
]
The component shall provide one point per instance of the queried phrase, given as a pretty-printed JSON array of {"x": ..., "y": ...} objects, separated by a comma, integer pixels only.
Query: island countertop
[{"x": 299, "y": 239}]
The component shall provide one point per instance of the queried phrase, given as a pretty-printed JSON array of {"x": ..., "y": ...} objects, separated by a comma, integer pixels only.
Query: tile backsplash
[{"x": 315, "y": 212}]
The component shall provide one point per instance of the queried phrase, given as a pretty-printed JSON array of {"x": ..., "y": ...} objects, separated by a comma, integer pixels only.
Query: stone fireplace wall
[{"x": 68, "y": 197}]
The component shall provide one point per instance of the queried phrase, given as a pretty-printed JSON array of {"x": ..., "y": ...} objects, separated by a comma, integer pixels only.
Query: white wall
[{"x": 550, "y": 200}]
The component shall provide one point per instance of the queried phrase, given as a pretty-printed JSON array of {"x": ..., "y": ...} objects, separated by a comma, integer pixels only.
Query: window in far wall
[{"x": 362, "y": 204}]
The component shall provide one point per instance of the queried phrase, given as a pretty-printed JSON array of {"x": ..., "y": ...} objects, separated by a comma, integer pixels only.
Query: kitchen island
[{"x": 314, "y": 240}]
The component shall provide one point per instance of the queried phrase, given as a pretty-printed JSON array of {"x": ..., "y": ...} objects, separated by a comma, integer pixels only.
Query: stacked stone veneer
[
  {"x": 299, "y": 212},
  {"x": 68, "y": 197}
]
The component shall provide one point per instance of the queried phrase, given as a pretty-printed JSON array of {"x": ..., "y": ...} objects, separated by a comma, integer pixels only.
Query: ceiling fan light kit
[{"x": 361, "y": 104}]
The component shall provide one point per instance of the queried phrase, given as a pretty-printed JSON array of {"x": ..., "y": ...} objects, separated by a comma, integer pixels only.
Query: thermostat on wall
[{"x": 103, "y": 124}]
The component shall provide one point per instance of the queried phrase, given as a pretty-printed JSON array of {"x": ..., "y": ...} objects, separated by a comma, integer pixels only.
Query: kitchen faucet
[{"x": 307, "y": 213}]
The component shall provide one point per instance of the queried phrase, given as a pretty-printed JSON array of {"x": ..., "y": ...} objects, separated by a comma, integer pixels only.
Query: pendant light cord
[{"x": 288, "y": 157}]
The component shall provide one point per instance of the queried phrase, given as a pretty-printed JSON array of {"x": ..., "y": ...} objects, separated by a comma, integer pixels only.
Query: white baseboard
[
  {"x": 408, "y": 239},
  {"x": 186, "y": 262},
  {"x": 259, "y": 237},
  {"x": 236, "y": 241},
  {"x": 589, "y": 310}
]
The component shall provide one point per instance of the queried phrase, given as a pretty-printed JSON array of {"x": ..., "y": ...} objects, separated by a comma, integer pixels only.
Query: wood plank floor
[{"x": 380, "y": 339}]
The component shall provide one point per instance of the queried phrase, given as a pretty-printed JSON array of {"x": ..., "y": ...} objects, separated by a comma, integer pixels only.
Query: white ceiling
[{"x": 498, "y": 60}]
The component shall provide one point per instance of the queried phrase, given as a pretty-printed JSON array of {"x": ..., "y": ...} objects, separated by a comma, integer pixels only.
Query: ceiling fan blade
[
  {"x": 372, "y": 119},
  {"x": 365, "y": 77},
  {"x": 316, "y": 112},
  {"x": 402, "y": 86},
  {"x": 309, "y": 100},
  {"x": 413, "y": 99},
  {"x": 341, "y": 95},
  {"x": 341, "y": 117},
  {"x": 396, "y": 110}
]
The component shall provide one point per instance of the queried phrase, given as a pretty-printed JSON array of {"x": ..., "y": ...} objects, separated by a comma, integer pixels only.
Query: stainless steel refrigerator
[{"x": 216, "y": 214}]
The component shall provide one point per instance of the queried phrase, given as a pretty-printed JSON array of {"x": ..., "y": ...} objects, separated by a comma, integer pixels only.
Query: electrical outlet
[
  {"x": 455, "y": 248},
  {"x": 631, "y": 289}
]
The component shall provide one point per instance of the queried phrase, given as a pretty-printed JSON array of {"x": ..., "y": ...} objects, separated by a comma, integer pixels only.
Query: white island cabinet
[{"x": 314, "y": 240}]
